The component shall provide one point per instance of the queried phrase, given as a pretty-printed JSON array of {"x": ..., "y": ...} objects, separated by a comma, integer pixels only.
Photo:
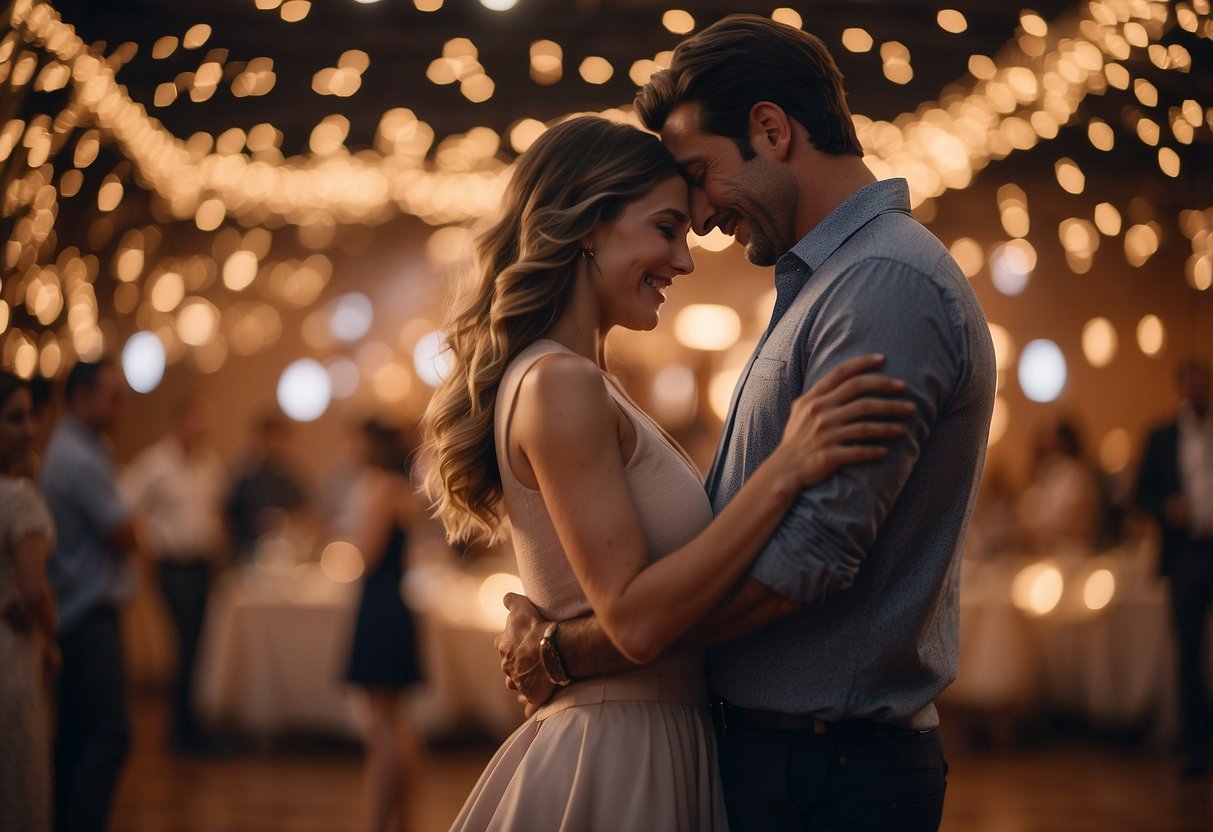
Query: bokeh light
[
  {"x": 1037, "y": 588},
  {"x": 431, "y": 358},
  {"x": 342, "y": 562},
  {"x": 352, "y": 317},
  {"x": 707, "y": 326},
  {"x": 1011, "y": 266},
  {"x": 1042, "y": 370},
  {"x": 1099, "y": 342},
  {"x": 1151, "y": 335},
  {"x": 304, "y": 390},
  {"x": 492, "y": 590},
  {"x": 1099, "y": 589},
  {"x": 143, "y": 362}
]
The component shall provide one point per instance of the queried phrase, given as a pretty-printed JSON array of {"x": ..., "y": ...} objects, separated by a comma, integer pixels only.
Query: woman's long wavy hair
[{"x": 576, "y": 175}]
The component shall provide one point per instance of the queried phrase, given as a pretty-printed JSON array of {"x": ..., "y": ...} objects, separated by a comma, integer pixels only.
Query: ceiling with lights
[{"x": 156, "y": 154}]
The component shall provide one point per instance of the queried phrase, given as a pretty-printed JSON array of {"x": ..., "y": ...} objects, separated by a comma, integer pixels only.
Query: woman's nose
[{"x": 682, "y": 261}]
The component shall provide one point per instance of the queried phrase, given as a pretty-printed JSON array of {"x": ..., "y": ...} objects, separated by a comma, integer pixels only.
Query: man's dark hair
[
  {"x": 388, "y": 447},
  {"x": 42, "y": 391},
  {"x": 1069, "y": 439},
  {"x": 85, "y": 375},
  {"x": 10, "y": 383},
  {"x": 743, "y": 59}
]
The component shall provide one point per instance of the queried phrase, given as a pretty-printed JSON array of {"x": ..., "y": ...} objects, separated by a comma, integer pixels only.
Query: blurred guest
[
  {"x": 265, "y": 489},
  {"x": 1176, "y": 487},
  {"x": 1116, "y": 500},
  {"x": 176, "y": 488},
  {"x": 45, "y": 413},
  {"x": 335, "y": 501},
  {"x": 1061, "y": 509},
  {"x": 383, "y": 656},
  {"x": 993, "y": 529},
  {"x": 28, "y": 620},
  {"x": 92, "y": 571}
]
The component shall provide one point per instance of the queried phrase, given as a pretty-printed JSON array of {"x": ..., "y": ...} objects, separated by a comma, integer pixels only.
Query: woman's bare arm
[{"x": 567, "y": 426}]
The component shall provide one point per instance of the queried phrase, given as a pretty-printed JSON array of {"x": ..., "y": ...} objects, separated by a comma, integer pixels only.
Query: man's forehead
[
  {"x": 683, "y": 116},
  {"x": 681, "y": 129}
]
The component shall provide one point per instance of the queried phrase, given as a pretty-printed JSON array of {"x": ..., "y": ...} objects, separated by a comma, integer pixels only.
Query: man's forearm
[
  {"x": 749, "y": 607},
  {"x": 586, "y": 650}
]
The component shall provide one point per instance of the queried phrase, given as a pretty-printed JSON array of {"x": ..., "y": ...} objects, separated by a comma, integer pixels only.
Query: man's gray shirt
[
  {"x": 873, "y": 552},
  {"x": 81, "y": 491}
]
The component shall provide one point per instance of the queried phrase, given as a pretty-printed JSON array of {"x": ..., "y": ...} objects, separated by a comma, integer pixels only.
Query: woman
[
  {"x": 607, "y": 512},
  {"x": 28, "y": 620},
  {"x": 383, "y": 656}
]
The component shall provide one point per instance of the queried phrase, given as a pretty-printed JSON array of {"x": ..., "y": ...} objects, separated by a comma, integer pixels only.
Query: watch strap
[{"x": 553, "y": 664}]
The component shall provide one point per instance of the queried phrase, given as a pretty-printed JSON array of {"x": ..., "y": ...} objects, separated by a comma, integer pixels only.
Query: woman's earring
[{"x": 587, "y": 253}]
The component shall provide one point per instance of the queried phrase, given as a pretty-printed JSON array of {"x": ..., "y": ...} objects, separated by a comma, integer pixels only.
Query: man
[
  {"x": 1176, "y": 487},
  {"x": 176, "y": 486},
  {"x": 92, "y": 573},
  {"x": 265, "y": 489},
  {"x": 832, "y": 651}
]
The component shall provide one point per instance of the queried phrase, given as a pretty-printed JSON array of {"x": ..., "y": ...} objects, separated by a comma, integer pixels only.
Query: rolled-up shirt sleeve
[{"x": 881, "y": 307}]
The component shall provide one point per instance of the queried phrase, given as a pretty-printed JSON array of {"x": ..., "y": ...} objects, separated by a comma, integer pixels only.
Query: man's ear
[{"x": 771, "y": 130}]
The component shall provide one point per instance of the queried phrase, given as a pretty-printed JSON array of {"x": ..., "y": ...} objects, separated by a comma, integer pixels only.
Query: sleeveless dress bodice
[{"x": 665, "y": 487}]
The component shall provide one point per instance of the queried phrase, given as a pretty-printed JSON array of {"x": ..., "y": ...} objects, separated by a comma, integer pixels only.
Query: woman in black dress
[{"x": 383, "y": 656}]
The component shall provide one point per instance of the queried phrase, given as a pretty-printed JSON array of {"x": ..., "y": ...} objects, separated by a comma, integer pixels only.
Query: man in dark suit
[{"x": 1176, "y": 487}]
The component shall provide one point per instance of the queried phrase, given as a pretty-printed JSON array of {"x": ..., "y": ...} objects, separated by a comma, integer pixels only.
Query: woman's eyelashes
[{"x": 671, "y": 229}]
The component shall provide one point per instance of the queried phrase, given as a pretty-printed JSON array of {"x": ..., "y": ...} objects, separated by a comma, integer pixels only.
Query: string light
[
  {"x": 546, "y": 62},
  {"x": 855, "y": 39},
  {"x": 924, "y": 154},
  {"x": 951, "y": 21},
  {"x": 1012, "y": 103},
  {"x": 678, "y": 21}
]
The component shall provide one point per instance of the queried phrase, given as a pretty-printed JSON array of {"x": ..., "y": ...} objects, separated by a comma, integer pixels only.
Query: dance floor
[{"x": 1071, "y": 786}]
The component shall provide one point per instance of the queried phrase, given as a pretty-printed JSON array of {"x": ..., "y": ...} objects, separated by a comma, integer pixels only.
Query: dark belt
[{"x": 727, "y": 716}]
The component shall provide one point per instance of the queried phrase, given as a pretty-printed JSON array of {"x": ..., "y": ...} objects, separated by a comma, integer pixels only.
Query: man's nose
[{"x": 702, "y": 212}]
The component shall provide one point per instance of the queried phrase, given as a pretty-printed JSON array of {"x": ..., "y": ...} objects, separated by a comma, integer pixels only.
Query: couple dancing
[{"x": 820, "y": 567}]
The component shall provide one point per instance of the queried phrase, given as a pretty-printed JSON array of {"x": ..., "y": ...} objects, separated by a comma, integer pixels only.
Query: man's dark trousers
[
  {"x": 92, "y": 731},
  {"x": 777, "y": 780}
]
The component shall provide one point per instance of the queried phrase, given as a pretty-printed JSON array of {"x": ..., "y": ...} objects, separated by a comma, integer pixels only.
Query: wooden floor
[{"x": 1077, "y": 786}]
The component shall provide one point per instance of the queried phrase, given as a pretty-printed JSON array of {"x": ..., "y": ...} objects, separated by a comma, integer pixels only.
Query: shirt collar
[
  {"x": 855, "y": 211},
  {"x": 814, "y": 248}
]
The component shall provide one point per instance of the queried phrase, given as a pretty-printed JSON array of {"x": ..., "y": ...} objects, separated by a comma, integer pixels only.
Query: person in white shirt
[
  {"x": 1060, "y": 511},
  {"x": 176, "y": 487}
]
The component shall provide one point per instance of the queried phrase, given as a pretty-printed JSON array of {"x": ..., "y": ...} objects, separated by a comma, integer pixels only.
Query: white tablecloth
[
  {"x": 275, "y": 646},
  {"x": 273, "y": 652},
  {"x": 1114, "y": 667}
]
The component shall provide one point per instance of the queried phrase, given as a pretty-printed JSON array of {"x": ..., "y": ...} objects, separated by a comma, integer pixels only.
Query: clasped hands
[{"x": 518, "y": 645}]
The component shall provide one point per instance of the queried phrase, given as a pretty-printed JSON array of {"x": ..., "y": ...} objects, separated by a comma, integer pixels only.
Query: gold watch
[{"x": 553, "y": 665}]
